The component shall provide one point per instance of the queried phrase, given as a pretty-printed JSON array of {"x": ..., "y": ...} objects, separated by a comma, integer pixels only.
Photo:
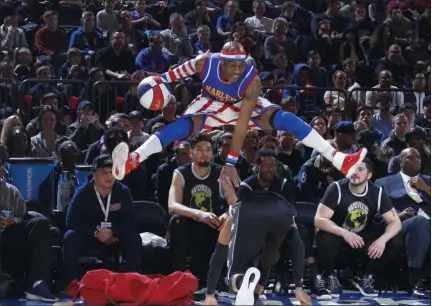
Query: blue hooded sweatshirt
[
  {"x": 308, "y": 102},
  {"x": 86, "y": 41}
]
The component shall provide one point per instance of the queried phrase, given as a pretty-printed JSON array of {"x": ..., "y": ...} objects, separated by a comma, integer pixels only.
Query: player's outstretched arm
[
  {"x": 241, "y": 128},
  {"x": 246, "y": 109},
  {"x": 186, "y": 69}
]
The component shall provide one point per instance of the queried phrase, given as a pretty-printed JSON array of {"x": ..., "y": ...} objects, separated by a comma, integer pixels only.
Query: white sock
[
  {"x": 37, "y": 283},
  {"x": 315, "y": 141},
  {"x": 151, "y": 146}
]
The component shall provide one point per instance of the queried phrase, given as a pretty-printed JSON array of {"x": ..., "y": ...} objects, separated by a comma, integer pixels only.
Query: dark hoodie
[
  {"x": 86, "y": 41},
  {"x": 307, "y": 100}
]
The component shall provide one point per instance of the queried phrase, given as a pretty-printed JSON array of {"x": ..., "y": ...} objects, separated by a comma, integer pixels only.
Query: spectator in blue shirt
[
  {"x": 383, "y": 119},
  {"x": 365, "y": 113},
  {"x": 337, "y": 23},
  {"x": 225, "y": 23},
  {"x": 152, "y": 59},
  {"x": 142, "y": 20},
  {"x": 203, "y": 44},
  {"x": 87, "y": 38}
]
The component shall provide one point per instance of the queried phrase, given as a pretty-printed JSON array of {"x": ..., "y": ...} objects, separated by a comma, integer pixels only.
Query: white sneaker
[
  {"x": 245, "y": 296},
  {"x": 120, "y": 156}
]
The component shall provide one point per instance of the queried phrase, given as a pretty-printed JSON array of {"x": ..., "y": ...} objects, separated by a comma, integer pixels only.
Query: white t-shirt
[
  {"x": 263, "y": 24},
  {"x": 138, "y": 139}
]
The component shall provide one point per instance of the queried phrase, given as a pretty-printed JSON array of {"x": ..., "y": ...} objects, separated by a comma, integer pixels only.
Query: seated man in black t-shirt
[
  {"x": 196, "y": 208},
  {"x": 346, "y": 213}
]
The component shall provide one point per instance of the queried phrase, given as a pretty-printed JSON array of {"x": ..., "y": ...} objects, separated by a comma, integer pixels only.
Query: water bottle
[{"x": 63, "y": 193}]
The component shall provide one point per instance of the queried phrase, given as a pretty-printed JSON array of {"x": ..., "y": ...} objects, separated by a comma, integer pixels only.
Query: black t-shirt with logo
[
  {"x": 202, "y": 193},
  {"x": 353, "y": 211}
]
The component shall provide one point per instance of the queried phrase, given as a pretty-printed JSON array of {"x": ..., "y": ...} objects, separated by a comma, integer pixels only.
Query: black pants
[
  {"x": 189, "y": 237},
  {"x": 258, "y": 230},
  {"x": 329, "y": 246},
  {"x": 26, "y": 248},
  {"x": 76, "y": 244}
]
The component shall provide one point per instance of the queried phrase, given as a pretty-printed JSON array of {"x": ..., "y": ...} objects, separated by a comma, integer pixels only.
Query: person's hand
[
  {"x": 407, "y": 213},
  {"x": 11, "y": 29},
  {"x": 354, "y": 240},
  {"x": 230, "y": 172},
  {"x": 236, "y": 37},
  {"x": 96, "y": 124},
  {"x": 302, "y": 297},
  {"x": 376, "y": 249},
  {"x": 112, "y": 240},
  {"x": 83, "y": 122},
  {"x": 5, "y": 222},
  {"x": 210, "y": 300},
  {"x": 209, "y": 218},
  {"x": 359, "y": 19},
  {"x": 162, "y": 4},
  {"x": 183, "y": 31},
  {"x": 222, "y": 220},
  {"x": 418, "y": 184},
  {"x": 74, "y": 69},
  {"x": 125, "y": 76},
  {"x": 104, "y": 234},
  {"x": 146, "y": 19}
]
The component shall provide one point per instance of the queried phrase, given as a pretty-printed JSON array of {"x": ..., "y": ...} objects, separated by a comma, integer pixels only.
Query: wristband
[{"x": 232, "y": 158}]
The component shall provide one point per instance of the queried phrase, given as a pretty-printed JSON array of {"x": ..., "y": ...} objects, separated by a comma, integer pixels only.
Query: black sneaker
[
  {"x": 333, "y": 286},
  {"x": 418, "y": 291},
  {"x": 365, "y": 285},
  {"x": 319, "y": 291},
  {"x": 41, "y": 292}
]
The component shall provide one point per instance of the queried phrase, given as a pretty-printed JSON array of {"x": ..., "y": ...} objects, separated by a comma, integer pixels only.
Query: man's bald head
[
  {"x": 233, "y": 46},
  {"x": 410, "y": 161}
]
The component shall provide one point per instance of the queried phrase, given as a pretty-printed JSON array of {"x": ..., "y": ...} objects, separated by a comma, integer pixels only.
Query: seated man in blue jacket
[
  {"x": 101, "y": 214},
  {"x": 410, "y": 193},
  {"x": 87, "y": 38}
]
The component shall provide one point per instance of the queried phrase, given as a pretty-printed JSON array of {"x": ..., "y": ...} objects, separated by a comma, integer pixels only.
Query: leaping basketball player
[{"x": 230, "y": 95}]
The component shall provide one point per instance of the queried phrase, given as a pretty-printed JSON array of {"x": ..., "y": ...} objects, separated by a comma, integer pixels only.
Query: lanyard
[{"x": 106, "y": 209}]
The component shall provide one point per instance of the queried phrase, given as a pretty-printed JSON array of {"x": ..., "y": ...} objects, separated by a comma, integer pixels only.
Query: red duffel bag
[{"x": 101, "y": 287}]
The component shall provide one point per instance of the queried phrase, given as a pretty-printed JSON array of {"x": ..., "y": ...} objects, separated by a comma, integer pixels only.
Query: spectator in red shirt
[{"x": 50, "y": 39}]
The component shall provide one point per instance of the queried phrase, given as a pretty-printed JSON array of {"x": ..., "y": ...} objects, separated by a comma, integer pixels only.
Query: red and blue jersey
[{"x": 216, "y": 89}]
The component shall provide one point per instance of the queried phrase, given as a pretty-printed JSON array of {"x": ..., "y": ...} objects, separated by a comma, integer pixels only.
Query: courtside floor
[{"x": 347, "y": 298}]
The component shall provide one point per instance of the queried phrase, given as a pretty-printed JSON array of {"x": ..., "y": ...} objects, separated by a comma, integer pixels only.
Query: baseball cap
[
  {"x": 265, "y": 74},
  {"x": 135, "y": 115},
  {"x": 345, "y": 127},
  {"x": 102, "y": 161},
  {"x": 415, "y": 131},
  {"x": 49, "y": 95},
  {"x": 289, "y": 99},
  {"x": 84, "y": 104}
]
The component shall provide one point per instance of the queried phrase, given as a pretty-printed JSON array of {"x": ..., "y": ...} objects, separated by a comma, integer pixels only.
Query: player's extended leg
[
  {"x": 123, "y": 162},
  {"x": 284, "y": 121},
  {"x": 217, "y": 261}
]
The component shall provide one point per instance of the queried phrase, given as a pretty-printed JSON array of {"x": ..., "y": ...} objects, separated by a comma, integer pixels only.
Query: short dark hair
[
  {"x": 198, "y": 138},
  {"x": 115, "y": 130},
  {"x": 266, "y": 138},
  {"x": 264, "y": 153},
  {"x": 369, "y": 165},
  {"x": 362, "y": 107},
  {"x": 331, "y": 109},
  {"x": 312, "y": 53}
]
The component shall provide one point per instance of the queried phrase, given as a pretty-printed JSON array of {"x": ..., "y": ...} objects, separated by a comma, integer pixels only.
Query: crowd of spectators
[{"x": 357, "y": 71}]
